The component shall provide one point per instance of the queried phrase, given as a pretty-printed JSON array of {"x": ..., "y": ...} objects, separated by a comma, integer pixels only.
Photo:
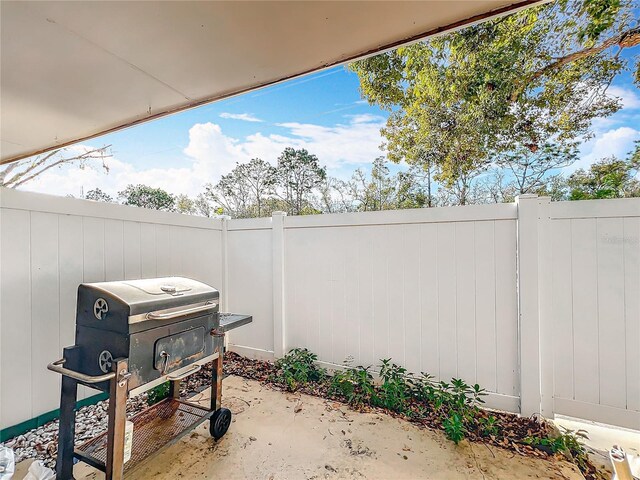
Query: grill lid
[{"x": 108, "y": 305}]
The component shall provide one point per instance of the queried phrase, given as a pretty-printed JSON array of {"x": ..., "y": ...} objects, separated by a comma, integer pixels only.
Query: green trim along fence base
[{"x": 40, "y": 420}]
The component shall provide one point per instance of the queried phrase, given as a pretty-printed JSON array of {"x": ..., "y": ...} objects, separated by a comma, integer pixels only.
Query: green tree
[
  {"x": 530, "y": 167},
  {"x": 608, "y": 178},
  {"x": 185, "y": 205},
  {"x": 380, "y": 190},
  {"x": 259, "y": 178},
  {"x": 494, "y": 91},
  {"x": 298, "y": 174},
  {"x": 147, "y": 197},
  {"x": 98, "y": 195},
  {"x": 245, "y": 191}
]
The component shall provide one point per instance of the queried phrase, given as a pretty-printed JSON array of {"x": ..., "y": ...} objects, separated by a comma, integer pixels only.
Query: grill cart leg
[
  {"x": 174, "y": 389},
  {"x": 117, "y": 420},
  {"x": 221, "y": 418},
  {"x": 67, "y": 428},
  {"x": 216, "y": 382}
]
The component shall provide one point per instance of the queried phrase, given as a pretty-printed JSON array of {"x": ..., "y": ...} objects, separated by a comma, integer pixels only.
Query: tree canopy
[
  {"x": 510, "y": 87},
  {"x": 147, "y": 197}
]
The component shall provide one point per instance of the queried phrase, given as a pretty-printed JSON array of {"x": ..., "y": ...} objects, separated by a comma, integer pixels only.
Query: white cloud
[
  {"x": 211, "y": 154},
  {"x": 616, "y": 142},
  {"x": 628, "y": 97},
  {"x": 246, "y": 117}
]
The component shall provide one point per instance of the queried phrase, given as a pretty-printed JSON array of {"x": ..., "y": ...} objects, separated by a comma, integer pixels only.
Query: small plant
[
  {"x": 394, "y": 391},
  {"x": 569, "y": 441},
  {"x": 489, "y": 426},
  {"x": 297, "y": 368},
  {"x": 158, "y": 393},
  {"x": 453, "y": 428},
  {"x": 355, "y": 385}
]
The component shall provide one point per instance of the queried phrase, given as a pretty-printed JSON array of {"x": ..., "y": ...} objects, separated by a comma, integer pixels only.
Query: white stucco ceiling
[{"x": 73, "y": 70}]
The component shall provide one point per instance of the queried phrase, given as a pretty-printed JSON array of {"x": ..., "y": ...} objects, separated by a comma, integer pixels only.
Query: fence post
[
  {"x": 545, "y": 298},
  {"x": 279, "y": 324},
  {"x": 224, "y": 295},
  {"x": 224, "y": 299},
  {"x": 528, "y": 305}
]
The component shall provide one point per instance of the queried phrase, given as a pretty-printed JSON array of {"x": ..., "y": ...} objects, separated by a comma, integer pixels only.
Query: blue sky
[{"x": 322, "y": 112}]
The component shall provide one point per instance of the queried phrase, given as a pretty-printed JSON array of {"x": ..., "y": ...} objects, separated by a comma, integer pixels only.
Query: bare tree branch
[{"x": 18, "y": 173}]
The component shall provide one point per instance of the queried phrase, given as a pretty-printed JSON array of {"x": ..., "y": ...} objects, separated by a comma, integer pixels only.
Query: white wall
[{"x": 48, "y": 246}]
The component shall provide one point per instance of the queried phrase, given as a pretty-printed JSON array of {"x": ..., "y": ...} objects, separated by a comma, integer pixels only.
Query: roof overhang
[{"x": 74, "y": 70}]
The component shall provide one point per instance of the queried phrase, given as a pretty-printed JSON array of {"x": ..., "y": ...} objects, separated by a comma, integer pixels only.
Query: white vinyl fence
[
  {"x": 48, "y": 246},
  {"x": 538, "y": 302}
]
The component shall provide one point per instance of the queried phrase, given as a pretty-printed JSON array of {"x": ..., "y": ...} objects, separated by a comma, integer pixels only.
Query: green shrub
[
  {"x": 297, "y": 368},
  {"x": 453, "y": 428},
  {"x": 355, "y": 385},
  {"x": 568, "y": 442},
  {"x": 489, "y": 426},
  {"x": 394, "y": 391}
]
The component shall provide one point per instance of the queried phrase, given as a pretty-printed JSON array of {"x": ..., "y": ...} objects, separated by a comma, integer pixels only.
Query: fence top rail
[
  {"x": 503, "y": 211},
  {"x": 263, "y": 223},
  {"x": 618, "y": 207},
  {"x": 39, "y": 202}
]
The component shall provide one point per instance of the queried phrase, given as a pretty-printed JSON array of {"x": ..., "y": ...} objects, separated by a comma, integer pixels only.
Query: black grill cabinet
[{"x": 131, "y": 336}]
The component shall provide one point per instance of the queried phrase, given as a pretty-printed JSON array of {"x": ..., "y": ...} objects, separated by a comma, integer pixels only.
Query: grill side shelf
[
  {"x": 229, "y": 321},
  {"x": 154, "y": 428}
]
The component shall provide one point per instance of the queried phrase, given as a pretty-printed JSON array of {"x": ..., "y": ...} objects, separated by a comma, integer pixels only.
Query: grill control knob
[{"x": 168, "y": 289}]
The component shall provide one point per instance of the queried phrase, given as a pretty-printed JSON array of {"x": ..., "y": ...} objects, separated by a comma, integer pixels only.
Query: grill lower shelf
[{"x": 153, "y": 428}]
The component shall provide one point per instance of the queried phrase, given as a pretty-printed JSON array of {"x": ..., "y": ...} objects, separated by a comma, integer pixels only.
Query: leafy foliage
[
  {"x": 98, "y": 195},
  {"x": 147, "y": 197},
  {"x": 355, "y": 385},
  {"x": 158, "y": 393},
  {"x": 526, "y": 86},
  {"x": 453, "y": 428},
  {"x": 568, "y": 442},
  {"x": 297, "y": 175},
  {"x": 608, "y": 178},
  {"x": 297, "y": 368}
]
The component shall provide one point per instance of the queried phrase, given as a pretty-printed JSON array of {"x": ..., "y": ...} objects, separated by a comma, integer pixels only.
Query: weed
[
  {"x": 453, "y": 428},
  {"x": 489, "y": 426},
  {"x": 394, "y": 391},
  {"x": 297, "y": 368},
  {"x": 158, "y": 393},
  {"x": 355, "y": 385},
  {"x": 569, "y": 441}
]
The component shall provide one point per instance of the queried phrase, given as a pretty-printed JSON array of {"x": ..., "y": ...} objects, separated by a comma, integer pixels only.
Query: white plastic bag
[
  {"x": 37, "y": 471},
  {"x": 7, "y": 463}
]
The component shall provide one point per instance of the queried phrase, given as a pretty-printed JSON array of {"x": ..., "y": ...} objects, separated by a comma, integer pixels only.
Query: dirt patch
[{"x": 326, "y": 440}]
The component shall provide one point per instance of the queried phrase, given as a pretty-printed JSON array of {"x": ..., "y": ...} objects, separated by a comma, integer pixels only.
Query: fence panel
[
  {"x": 250, "y": 285},
  {"x": 436, "y": 296},
  {"x": 48, "y": 247},
  {"x": 596, "y": 310}
]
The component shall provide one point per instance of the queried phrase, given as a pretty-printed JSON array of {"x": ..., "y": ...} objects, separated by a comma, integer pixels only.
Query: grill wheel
[{"x": 220, "y": 422}]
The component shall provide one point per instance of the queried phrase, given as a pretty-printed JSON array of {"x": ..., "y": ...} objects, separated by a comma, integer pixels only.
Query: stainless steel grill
[{"x": 132, "y": 336}]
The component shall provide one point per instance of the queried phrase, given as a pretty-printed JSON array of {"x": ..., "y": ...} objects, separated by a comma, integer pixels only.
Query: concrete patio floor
[{"x": 276, "y": 435}]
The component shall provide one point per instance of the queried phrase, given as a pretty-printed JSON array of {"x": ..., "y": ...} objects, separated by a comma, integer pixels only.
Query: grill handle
[
  {"x": 181, "y": 313},
  {"x": 194, "y": 368},
  {"x": 58, "y": 368}
]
